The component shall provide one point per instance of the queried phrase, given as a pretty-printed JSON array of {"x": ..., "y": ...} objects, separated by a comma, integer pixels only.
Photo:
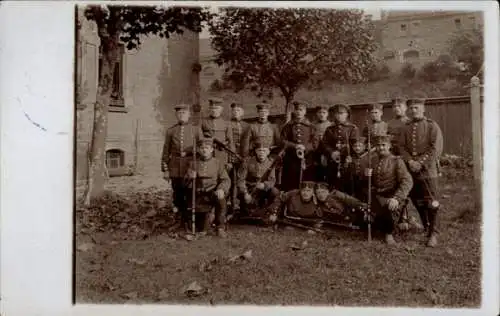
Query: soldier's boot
[
  {"x": 389, "y": 239},
  {"x": 432, "y": 241}
]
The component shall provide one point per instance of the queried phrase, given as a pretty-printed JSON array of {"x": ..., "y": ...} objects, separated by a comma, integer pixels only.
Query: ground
[{"x": 257, "y": 265}]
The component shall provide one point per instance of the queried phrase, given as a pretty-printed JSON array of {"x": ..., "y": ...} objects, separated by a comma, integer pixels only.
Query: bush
[
  {"x": 379, "y": 72},
  {"x": 430, "y": 72},
  {"x": 408, "y": 71},
  {"x": 441, "y": 69},
  {"x": 216, "y": 85}
]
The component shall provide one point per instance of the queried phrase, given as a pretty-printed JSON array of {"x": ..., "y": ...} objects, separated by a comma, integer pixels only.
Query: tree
[
  {"x": 284, "y": 48},
  {"x": 126, "y": 25},
  {"x": 467, "y": 48}
]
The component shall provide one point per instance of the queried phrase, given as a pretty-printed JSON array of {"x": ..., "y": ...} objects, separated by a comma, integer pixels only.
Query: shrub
[
  {"x": 379, "y": 72},
  {"x": 430, "y": 72},
  {"x": 216, "y": 85},
  {"x": 408, "y": 71}
]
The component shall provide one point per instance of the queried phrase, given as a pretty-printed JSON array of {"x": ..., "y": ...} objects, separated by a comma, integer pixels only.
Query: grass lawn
[{"x": 344, "y": 270}]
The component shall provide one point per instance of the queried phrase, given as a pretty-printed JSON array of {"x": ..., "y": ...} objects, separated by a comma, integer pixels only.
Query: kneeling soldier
[
  {"x": 256, "y": 185},
  {"x": 390, "y": 186},
  {"x": 212, "y": 185},
  {"x": 338, "y": 207}
]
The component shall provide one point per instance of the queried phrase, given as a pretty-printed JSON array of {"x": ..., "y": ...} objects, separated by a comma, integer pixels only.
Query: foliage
[
  {"x": 379, "y": 72},
  {"x": 216, "y": 85},
  {"x": 408, "y": 71},
  {"x": 285, "y": 48},
  {"x": 440, "y": 69},
  {"x": 468, "y": 47}
]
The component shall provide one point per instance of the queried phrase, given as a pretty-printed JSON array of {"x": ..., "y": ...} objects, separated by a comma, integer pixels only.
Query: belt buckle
[{"x": 183, "y": 154}]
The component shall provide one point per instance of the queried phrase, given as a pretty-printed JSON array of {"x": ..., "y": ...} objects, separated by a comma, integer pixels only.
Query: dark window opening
[
  {"x": 115, "y": 158},
  {"x": 117, "y": 88}
]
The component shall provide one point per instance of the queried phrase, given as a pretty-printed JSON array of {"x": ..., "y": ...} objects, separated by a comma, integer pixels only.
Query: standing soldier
[
  {"x": 320, "y": 160},
  {"x": 376, "y": 125},
  {"x": 298, "y": 139},
  {"x": 390, "y": 186},
  {"x": 421, "y": 146},
  {"x": 336, "y": 145},
  {"x": 177, "y": 150},
  {"x": 396, "y": 125},
  {"x": 238, "y": 129},
  {"x": 212, "y": 185},
  {"x": 354, "y": 170},
  {"x": 219, "y": 129},
  {"x": 256, "y": 184},
  {"x": 262, "y": 131}
]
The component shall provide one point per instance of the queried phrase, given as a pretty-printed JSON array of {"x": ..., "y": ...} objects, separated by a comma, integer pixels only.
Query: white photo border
[{"x": 37, "y": 168}]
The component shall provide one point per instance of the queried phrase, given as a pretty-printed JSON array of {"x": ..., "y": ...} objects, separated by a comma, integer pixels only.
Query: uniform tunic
[
  {"x": 320, "y": 159},
  {"x": 376, "y": 128},
  {"x": 390, "y": 179},
  {"x": 296, "y": 207},
  {"x": 337, "y": 137},
  {"x": 211, "y": 176},
  {"x": 422, "y": 141},
  {"x": 357, "y": 184},
  {"x": 219, "y": 129},
  {"x": 264, "y": 132},
  {"x": 337, "y": 205},
  {"x": 239, "y": 129},
  {"x": 293, "y": 133},
  {"x": 394, "y": 128}
]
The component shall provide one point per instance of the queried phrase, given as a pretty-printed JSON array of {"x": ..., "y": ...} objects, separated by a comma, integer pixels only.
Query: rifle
[
  {"x": 227, "y": 149},
  {"x": 368, "y": 210},
  {"x": 193, "y": 192},
  {"x": 349, "y": 155},
  {"x": 273, "y": 165}
]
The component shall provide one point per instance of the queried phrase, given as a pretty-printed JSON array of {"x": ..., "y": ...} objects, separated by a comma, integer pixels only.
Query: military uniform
[
  {"x": 293, "y": 133},
  {"x": 177, "y": 151},
  {"x": 394, "y": 128},
  {"x": 338, "y": 137},
  {"x": 295, "y": 206},
  {"x": 356, "y": 183},
  {"x": 263, "y": 132},
  {"x": 320, "y": 160},
  {"x": 340, "y": 207},
  {"x": 266, "y": 201},
  {"x": 220, "y": 129},
  {"x": 211, "y": 175},
  {"x": 422, "y": 141},
  {"x": 375, "y": 127},
  {"x": 390, "y": 179}
]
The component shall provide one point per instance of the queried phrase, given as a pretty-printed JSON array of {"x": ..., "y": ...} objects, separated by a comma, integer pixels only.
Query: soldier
[
  {"x": 354, "y": 168},
  {"x": 337, "y": 206},
  {"x": 262, "y": 131},
  {"x": 300, "y": 203},
  {"x": 256, "y": 184},
  {"x": 320, "y": 159},
  {"x": 298, "y": 139},
  {"x": 335, "y": 145},
  {"x": 421, "y": 145},
  {"x": 376, "y": 125},
  {"x": 220, "y": 130},
  {"x": 177, "y": 150},
  {"x": 390, "y": 186},
  {"x": 212, "y": 185},
  {"x": 396, "y": 125},
  {"x": 238, "y": 129}
]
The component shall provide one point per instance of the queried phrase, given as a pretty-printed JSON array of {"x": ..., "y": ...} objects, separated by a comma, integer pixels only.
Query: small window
[
  {"x": 117, "y": 92},
  {"x": 458, "y": 23},
  {"x": 389, "y": 55},
  {"x": 115, "y": 159},
  {"x": 404, "y": 27},
  {"x": 411, "y": 55},
  {"x": 415, "y": 25}
]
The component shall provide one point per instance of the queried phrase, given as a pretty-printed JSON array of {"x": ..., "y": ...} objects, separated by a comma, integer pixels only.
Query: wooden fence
[{"x": 453, "y": 114}]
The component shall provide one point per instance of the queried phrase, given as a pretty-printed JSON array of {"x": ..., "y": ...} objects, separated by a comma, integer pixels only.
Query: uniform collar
[
  {"x": 236, "y": 120},
  {"x": 260, "y": 121},
  {"x": 418, "y": 119}
]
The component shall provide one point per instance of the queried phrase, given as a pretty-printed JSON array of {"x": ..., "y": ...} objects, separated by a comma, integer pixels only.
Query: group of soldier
[{"x": 329, "y": 170}]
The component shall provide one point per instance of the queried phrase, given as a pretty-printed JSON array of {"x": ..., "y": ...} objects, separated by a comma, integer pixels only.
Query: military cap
[
  {"x": 307, "y": 184},
  {"x": 322, "y": 107},
  {"x": 181, "y": 106},
  {"x": 339, "y": 106},
  {"x": 398, "y": 100},
  {"x": 298, "y": 105},
  {"x": 376, "y": 106},
  {"x": 215, "y": 101},
  {"x": 260, "y": 144},
  {"x": 358, "y": 139},
  {"x": 382, "y": 138},
  {"x": 416, "y": 101},
  {"x": 262, "y": 106},
  {"x": 236, "y": 105},
  {"x": 322, "y": 185},
  {"x": 205, "y": 141}
]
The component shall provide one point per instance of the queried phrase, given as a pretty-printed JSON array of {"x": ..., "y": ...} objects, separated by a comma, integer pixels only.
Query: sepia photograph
[{"x": 276, "y": 156}]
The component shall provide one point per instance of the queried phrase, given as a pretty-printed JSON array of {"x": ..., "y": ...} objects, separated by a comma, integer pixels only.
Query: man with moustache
[
  {"x": 396, "y": 125},
  {"x": 320, "y": 160},
  {"x": 263, "y": 132}
]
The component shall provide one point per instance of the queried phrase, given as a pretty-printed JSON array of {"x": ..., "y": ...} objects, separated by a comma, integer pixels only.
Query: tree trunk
[
  {"x": 288, "y": 109},
  {"x": 96, "y": 175}
]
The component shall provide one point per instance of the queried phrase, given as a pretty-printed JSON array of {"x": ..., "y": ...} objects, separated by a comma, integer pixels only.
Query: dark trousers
[
  {"x": 338, "y": 177},
  {"x": 422, "y": 195},
  {"x": 181, "y": 194},
  {"x": 290, "y": 173},
  {"x": 204, "y": 203},
  {"x": 385, "y": 219},
  {"x": 233, "y": 192},
  {"x": 263, "y": 200}
]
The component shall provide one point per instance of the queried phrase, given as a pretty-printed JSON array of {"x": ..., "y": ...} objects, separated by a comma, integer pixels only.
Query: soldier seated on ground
[
  {"x": 300, "y": 203},
  {"x": 259, "y": 198},
  {"x": 212, "y": 185},
  {"x": 337, "y": 207}
]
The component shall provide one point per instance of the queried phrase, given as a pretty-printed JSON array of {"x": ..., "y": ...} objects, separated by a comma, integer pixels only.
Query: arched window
[
  {"x": 115, "y": 158},
  {"x": 389, "y": 55}
]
